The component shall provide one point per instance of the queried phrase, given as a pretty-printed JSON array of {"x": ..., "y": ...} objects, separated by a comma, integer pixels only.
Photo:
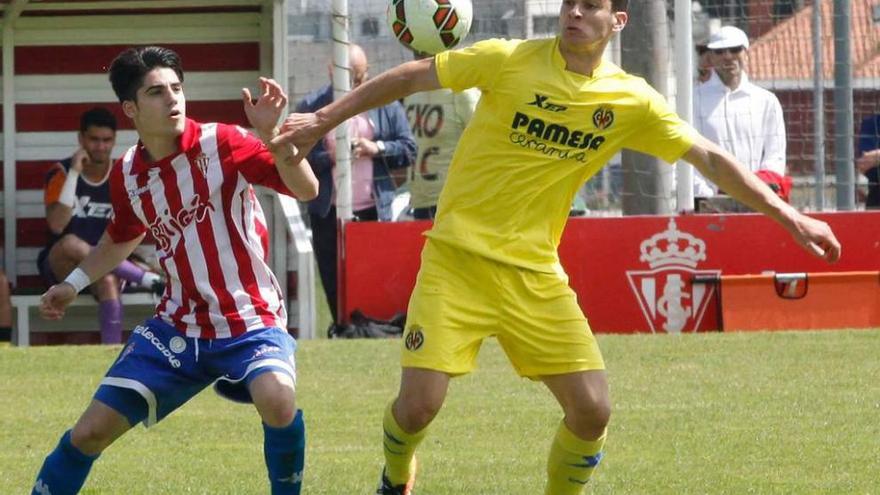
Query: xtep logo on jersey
[
  {"x": 86, "y": 208},
  {"x": 541, "y": 101}
]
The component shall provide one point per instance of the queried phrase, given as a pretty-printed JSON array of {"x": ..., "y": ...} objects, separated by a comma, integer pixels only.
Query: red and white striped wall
[{"x": 55, "y": 58}]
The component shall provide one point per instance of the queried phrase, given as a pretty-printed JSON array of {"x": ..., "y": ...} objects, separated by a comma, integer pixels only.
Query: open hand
[
  {"x": 264, "y": 114},
  {"x": 55, "y": 301}
]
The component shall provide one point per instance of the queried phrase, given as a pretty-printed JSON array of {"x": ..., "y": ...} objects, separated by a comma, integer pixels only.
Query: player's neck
[
  {"x": 95, "y": 172},
  {"x": 158, "y": 147},
  {"x": 581, "y": 59}
]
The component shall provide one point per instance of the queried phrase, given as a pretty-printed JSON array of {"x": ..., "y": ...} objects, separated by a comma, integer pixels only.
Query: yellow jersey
[{"x": 538, "y": 133}]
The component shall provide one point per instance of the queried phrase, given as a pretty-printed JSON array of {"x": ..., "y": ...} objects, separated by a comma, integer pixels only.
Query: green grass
[{"x": 786, "y": 413}]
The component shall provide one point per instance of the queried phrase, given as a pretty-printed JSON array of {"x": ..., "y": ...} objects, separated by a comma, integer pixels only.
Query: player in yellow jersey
[{"x": 552, "y": 113}]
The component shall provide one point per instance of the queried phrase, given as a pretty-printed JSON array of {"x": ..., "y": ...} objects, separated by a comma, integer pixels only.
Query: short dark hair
[
  {"x": 97, "y": 117},
  {"x": 129, "y": 68},
  {"x": 619, "y": 5}
]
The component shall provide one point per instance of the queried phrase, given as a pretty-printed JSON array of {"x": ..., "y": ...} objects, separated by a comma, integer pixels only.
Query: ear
[
  {"x": 129, "y": 108},
  {"x": 620, "y": 19}
]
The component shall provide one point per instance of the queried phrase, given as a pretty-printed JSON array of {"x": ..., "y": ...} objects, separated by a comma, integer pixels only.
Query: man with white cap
[{"x": 742, "y": 118}]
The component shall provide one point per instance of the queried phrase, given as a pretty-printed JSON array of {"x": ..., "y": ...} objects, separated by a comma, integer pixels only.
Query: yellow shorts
[{"x": 461, "y": 298}]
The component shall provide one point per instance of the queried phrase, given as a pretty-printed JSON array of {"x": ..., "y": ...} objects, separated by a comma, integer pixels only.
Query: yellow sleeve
[
  {"x": 664, "y": 134},
  {"x": 475, "y": 66}
]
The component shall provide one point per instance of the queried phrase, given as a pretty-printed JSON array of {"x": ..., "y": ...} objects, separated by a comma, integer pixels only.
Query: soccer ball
[{"x": 430, "y": 26}]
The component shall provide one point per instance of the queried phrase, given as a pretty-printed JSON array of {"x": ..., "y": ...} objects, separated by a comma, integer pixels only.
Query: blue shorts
[{"x": 159, "y": 369}]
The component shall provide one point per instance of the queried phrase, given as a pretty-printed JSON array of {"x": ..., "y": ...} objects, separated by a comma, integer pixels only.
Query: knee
[
  {"x": 589, "y": 416},
  {"x": 91, "y": 438},
  {"x": 416, "y": 411},
  {"x": 274, "y": 398},
  {"x": 74, "y": 248}
]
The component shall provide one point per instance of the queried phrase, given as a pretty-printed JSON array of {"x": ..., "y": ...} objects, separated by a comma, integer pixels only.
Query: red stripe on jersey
[
  {"x": 96, "y": 59},
  {"x": 59, "y": 117},
  {"x": 208, "y": 243},
  {"x": 239, "y": 249}
]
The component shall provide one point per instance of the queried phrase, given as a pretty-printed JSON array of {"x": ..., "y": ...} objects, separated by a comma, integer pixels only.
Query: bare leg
[
  {"x": 584, "y": 400},
  {"x": 420, "y": 398},
  {"x": 67, "y": 254},
  {"x": 97, "y": 428},
  {"x": 274, "y": 398}
]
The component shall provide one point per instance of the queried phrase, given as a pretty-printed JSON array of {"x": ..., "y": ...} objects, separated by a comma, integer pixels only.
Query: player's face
[
  {"x": 159, "y": 108},
  {"x": 98, "y": 143},
  {"x": 729, "y": 63},
  {"x": 585, "y": 24}
]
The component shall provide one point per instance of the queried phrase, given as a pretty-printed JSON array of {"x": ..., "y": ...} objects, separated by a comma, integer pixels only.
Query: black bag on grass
[{"x": 364, "y": 327}]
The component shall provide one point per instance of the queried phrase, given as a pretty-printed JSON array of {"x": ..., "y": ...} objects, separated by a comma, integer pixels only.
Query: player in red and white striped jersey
[
  {"x": 210, "y": 230},
  {"x": 222, "y": 316}
]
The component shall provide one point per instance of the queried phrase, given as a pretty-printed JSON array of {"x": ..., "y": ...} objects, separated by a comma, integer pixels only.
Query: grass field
[{"x": 786, "y": 413}]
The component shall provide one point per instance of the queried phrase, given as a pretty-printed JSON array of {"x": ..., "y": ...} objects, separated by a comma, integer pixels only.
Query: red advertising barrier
[
  {"x": 806, "y": 301},
  {"x": 631, "y": 274}
]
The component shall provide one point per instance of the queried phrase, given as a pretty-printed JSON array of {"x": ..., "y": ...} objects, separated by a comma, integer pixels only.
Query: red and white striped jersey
[{"x": 211, "y": 235}]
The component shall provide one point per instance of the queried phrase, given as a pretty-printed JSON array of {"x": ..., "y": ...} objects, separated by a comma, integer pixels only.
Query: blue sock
[
  {"x": 64, "y": 471},
  {"x": 284, "y": 450}
]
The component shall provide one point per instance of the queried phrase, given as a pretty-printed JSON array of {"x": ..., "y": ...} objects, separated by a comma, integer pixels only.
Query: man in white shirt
[{"x": 742, "y": 118}]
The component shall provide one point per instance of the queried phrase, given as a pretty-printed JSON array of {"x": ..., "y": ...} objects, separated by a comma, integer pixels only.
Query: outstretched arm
[
  {"x": 721, "y": 168},
  {"x": 305, "y": 129},
  {"x": 106, "y": 256}
]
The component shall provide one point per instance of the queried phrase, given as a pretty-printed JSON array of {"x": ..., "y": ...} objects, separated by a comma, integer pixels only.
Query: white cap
[{"x": 728, "y": 37}]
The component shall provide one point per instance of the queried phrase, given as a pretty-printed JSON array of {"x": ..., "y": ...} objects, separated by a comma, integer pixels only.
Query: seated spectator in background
[
  {"x": 437, "y": 119},
  {"x": 742, "y": 118},
  {"x": 5, "y": 309},
  {"x": 77, "y": 198},
  {"x": 385, "y": 140},
  {"x": 868, "y": 161}
]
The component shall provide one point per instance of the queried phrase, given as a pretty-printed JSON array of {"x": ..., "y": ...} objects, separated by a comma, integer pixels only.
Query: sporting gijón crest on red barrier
[{"x": 669, "y": 300}]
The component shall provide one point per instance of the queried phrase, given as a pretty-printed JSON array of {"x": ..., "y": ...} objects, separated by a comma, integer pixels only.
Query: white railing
[{"x": 304, "y": 315}]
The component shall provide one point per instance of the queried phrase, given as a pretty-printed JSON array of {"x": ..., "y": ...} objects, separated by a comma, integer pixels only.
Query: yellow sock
[
  {"x": 400, "y": 448},
  {"x": 571, "y": 462}
]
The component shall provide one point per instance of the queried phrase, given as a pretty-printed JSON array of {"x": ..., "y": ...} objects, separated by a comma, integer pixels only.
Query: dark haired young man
[
  {"x": 222, "y": 317},
  {"x": 552, "y": 113},
  {"x": 77, "y": 198}
]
